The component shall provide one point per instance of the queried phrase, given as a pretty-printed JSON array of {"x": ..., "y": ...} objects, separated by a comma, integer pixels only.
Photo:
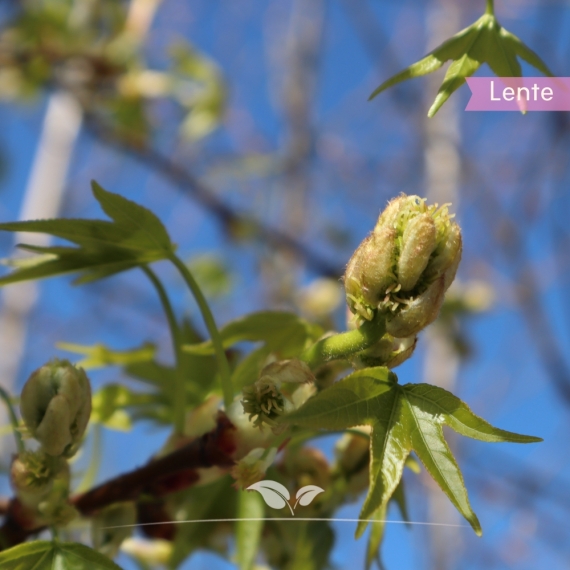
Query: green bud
[
  {"x": 56, "y": 405},
  {"x": 405, "y": 266},
  {"x": 32, "y": 474}
]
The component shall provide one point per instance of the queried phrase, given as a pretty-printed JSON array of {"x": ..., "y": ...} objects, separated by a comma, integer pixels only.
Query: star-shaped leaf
[
  {"x": 46, "y": 555},
  {"x": 485, "y": 41},
  {"x": 403, "y": 419},
  {"x": 134, "y": 237}
]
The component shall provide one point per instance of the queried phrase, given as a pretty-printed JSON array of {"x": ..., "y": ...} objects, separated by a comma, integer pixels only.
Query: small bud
[
  {"x": 263, "y": 401},
  {"x": 32, "y": 475},
  {"x": 267, "y": 399},
  {"x": 251, "y": 468},
  {"x": 56, "y": 405}
]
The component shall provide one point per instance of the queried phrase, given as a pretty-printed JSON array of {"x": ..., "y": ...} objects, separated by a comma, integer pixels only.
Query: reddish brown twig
[{"x": 159, "y": 477}]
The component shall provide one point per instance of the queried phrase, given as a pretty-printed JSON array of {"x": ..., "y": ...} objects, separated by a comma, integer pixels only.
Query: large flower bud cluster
[{"x": 404, "y": 267}]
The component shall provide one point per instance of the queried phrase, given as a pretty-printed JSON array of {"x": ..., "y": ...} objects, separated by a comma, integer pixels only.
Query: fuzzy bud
[
  {"x": 405, "y": 266},
  {"x": 56, "y": 405}
]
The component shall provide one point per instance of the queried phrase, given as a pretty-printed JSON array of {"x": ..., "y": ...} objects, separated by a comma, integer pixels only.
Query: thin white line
[{"x": 290, "y": 519}]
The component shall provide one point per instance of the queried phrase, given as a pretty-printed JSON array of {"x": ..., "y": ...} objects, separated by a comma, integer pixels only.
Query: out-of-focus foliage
[{"x": 94, "y": 50}]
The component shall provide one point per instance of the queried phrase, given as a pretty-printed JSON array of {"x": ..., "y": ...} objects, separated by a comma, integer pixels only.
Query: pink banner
[{"x": 519, "y": 94}]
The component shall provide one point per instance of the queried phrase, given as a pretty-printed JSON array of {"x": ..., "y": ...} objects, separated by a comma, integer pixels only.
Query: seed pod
[
  {"x": 56, "y": 405},
  {"x": 418, "y": 243}
]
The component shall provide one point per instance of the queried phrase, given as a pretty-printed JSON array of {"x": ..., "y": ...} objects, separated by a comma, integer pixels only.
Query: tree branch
[{"x": 161, "y": 476}]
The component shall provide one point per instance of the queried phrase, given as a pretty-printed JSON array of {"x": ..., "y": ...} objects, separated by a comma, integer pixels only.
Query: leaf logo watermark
[{"x": 277, "y": 496}]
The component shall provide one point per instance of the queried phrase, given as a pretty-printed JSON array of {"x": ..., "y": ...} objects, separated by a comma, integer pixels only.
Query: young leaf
[
  {"x": 352, "y": 401},
  {"x": 46, "y": 555},
  {"x": 141, "y": 225},
  {"x": 283, "y": 332},
  {"x": 375, "y": 538},
  {"x": 485, "y": 41},
  {"x": 134, "y": 237},
  {"x": 99, "y": 356},
  {"x": 403, "y": 419}
]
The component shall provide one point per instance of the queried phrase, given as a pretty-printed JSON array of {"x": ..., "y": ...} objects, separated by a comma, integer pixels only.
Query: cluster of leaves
[
  {"x": 93, "y": 51},
  {"x": 485, "y": 41}
]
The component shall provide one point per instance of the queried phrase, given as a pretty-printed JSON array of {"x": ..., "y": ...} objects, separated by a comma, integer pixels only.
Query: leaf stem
[
  {"x": 345, "y": 344},
  {"x": 179, "y": 393},
  {"x": 223, "y": 365},
  {"x": 490, "y": 7},
  {"x": 13, "y": 420}
]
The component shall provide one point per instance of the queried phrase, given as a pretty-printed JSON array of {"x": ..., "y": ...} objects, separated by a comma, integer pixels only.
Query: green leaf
[
  {"x": 46, "y": 555},
  {"x": 248, "y": 532},
  {"x": 375, "y": 538},
  {"x": 454, "y": 79},
  {"x": 352, "y": 401},
  {"x": 485, "y": 41},
  {"x": 284, "y": 333},
  {"x": 247, "y": 371},
  {"x": 458, "y": 416},
  {"x": 145, "y": 230},
  {"x": 403, "y": 419},
  {"x": 100, "y": 356},
  {"x": 450, "y": 49},
  {"x": 134, "y": 237}
]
